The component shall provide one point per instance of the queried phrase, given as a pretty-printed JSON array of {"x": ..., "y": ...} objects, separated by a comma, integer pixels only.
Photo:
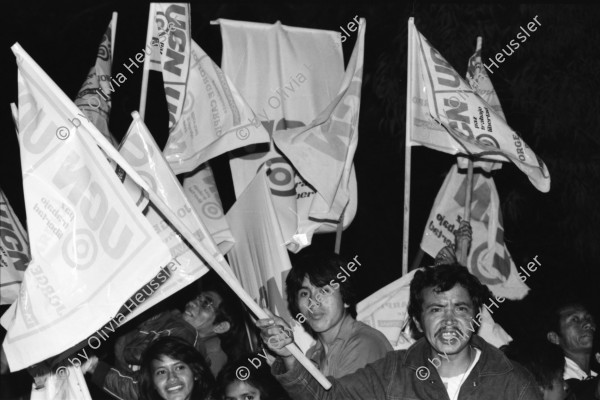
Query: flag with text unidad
[
  {"x": 193, "y": 133},
  {"x": 476, "y": 128},
  {"x": 488, "y": 257},
  {"x": 322, "y": 152},
  {"x": 140, "y": 150},
  {"x": 288, "y": 75},
  {"x": 481, "y": 83},
  {"x": 94, "y": 97},
  {"x": 14, "y": 252},
  {"x": 91, "y": 247}
]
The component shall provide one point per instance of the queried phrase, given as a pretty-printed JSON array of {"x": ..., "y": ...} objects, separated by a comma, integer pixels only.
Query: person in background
[
  {"x": 572, "y": 327},
  {"x": 243, "y": 381},
  {"x": 449, "y": 362},
  {"x": 321, "y": 295},
  {"x": 171, "y": 369}
]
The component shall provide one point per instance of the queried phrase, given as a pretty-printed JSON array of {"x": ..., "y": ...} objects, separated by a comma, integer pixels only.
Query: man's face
[
  {"x": 447, "y": 319},
  {"x": 577, "y": 329},
  {"x": 200, "y": 312},
  {"x": 322, "y": 307}
]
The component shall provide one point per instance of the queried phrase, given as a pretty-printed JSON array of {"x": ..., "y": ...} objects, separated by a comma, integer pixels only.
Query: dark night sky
[{"x": 548, "y": 89}]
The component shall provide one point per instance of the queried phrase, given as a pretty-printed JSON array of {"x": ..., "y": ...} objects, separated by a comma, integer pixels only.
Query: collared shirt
[
  {"x": 573, "y": 371},
  {"x": 356, "y": 345},
  {"x": 397, "y": 376}
]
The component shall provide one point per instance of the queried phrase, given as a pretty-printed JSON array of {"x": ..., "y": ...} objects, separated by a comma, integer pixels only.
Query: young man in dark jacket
[{"x": 449, "y": 362}]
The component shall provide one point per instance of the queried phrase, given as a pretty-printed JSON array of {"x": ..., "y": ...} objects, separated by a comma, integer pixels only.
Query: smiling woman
[{"x": 174, "y": 370}]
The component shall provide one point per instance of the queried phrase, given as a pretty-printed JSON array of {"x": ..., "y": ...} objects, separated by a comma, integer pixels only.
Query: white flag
[
  {"x": 488, "y": 258},
  {"x": 88, "y": 240},
  {"x": 288, "y": 75},
  {"x": 474, "y": 126}
]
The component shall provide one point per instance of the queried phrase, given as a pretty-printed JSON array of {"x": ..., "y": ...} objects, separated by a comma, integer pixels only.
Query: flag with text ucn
[
  {"x": 14, "y": 252},
  {"x": 288, "y": 75},
  {"x": 474, "y": 126},
  {"x": 199, "y": 125},
  {"x": 140, "y": 150},
  {"x": 488, "y": 258},
  {"x": 94, "y": 97},
  {"x": 481, "y": 83},
  {"x": 322, "y": 151},
  {"x": 87, "y": 237},
  {"x": 259, "y": 257}
]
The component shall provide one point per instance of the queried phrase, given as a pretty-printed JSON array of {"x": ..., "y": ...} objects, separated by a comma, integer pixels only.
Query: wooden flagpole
[
  {"x": 338, "y": 233},
  {"x": 149, "y": 31},
  {"x": 463, "y": 245},
  {"x": 407, "y": 147},
  {"x": 113, "y": 36}
]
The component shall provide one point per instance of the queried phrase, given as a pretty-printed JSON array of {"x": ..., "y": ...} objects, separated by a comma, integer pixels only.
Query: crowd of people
[{"x": 197, "y": 352}]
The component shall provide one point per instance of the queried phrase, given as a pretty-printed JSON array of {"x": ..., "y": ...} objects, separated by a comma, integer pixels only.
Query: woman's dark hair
[
  {"x": 322, "y": 269},
  {"x": 443, "y": 278},
  {"x": 177, "y": 349},
  {"x": 259, "y": 378}
]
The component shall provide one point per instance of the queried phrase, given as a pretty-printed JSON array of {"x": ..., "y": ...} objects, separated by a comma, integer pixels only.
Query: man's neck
[
  {"x": 455, "y": 364},
  {"x": 581, "y": 359},
  {"x": 328, "y": 337}
]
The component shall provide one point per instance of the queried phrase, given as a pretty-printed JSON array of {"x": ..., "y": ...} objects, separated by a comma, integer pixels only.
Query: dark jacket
[{"x": 494, "y": 377}]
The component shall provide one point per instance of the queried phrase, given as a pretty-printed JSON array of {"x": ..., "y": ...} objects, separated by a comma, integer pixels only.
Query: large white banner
[
  {"x": 91, "y": 247},
  {"x": 289, "y": 76},
  {"x": 488, "y": 258}
]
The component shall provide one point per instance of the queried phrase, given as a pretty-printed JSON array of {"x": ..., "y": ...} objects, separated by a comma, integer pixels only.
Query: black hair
[
  {"x": 259, "y": 378},
  {"x": 234, "y": 342},
  {"x": 545, "y": 361},
  {"x": 444, "y": 278},
  {"x": 177, "y": 349},
  {"x": 552, "y": 320},
  {"x": 322, "y": 270}
]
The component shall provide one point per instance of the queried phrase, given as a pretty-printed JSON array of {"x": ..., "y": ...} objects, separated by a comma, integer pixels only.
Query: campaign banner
[
  {"x": 87, "y": 238},
  {"x": 481, "y": 83},
  {"x": 215, "y": 117},
  {"x": 472, "y": 123},
  {"x": 140, "y": 150},
  {"x": 201, "y": 190},
  {"x": 288, "y": 76},
  {"x": 488, "y": 259},
  {"x": 94, "y": 97},
  {"x": 14, "y": 252},
  {"x": 259, "y": 257}
]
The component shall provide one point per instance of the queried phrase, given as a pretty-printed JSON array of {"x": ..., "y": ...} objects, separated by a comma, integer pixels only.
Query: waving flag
[
  {"x": 94, "y": 97},
  {"x": 91, "y": 247},
  {"x": 289, "y": 76},
  {"x": 14, "y": 252},
  {"x": 488, "y": 259},
  {"x": 474, "y": 126}
]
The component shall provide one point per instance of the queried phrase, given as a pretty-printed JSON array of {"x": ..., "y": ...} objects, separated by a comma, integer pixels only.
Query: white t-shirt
[
  {"x": 454, "y": 383},
  {"x": 572, "y": 370}
]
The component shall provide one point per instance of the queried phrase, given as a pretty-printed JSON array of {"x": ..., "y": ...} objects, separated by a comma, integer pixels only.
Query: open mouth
[
  {"x": 175, "y": 388},
  {"x": 449, "y": 336}
]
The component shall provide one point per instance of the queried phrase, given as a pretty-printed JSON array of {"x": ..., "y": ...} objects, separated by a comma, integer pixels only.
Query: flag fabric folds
[
  {"x": 259, "y": 257},
  {"x": 289, "y": 76},
  {"x": 88, "y": 239},
  {"x": 215, "y": 117},
  {"x": 14, "y": 252},
  {"x": 94, "y": 97},
  {"x": 474, "y": 126},
  {"x": 489, "y": 259},
  {"x": 140, "y": 150}
]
